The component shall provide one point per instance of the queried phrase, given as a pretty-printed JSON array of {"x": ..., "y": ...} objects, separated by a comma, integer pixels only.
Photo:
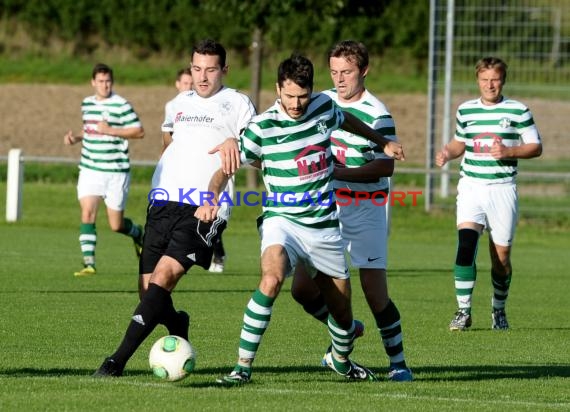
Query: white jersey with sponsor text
[
  {"x": 197, "y": 125},
  {"x": 296, "y": 161},
  {"x": 479, "y": 126}
]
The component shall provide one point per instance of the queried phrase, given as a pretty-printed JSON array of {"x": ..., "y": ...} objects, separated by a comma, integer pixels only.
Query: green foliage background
[{"x": 172, "y": 25}]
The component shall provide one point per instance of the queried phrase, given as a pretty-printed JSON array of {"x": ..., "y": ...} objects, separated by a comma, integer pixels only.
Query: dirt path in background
[{"x": 35, "y": 118}]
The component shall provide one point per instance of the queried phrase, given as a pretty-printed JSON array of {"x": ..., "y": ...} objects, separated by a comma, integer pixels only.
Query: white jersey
[
  {"x": 197, "y": 125},
  {"x": 352, "y": 150},
  {"x": 167, "y": 108},
  {"x": 478, "y": 126},
  {"x": 296, "y": 161},
  {"x": 101, "y": 152}
]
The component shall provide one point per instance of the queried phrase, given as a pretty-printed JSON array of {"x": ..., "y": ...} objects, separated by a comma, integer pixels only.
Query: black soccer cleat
[{"x": 108, "y": 369}]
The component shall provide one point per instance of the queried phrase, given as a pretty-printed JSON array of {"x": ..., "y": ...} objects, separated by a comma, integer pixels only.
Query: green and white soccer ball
[{"x": 172, "y": 358}]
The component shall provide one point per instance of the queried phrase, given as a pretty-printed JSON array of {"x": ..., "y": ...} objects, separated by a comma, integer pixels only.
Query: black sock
[
  {"x": 317, "y": 308},
  {"x": 388, "y": 322},
  {"x": 170, "y": 317},
  {"x": 146, "y": 316}
]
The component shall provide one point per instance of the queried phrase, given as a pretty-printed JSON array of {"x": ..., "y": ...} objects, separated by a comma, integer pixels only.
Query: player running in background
[
  {"x": 361, "y": 167},
  {"x": 290, "y": 142},
  {"x": 109, "y": 121},
  {"x": 174, "y": 238},
  {"x": 492, "y": 133},
  {"x": 183, "y": 83}
]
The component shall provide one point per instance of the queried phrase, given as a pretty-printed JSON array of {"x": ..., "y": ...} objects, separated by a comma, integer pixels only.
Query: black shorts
[{"x": 172, "y": 230}]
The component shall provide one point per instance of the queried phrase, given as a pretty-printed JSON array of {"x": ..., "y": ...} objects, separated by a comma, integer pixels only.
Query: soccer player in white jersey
[
  {"x": 492, "y": 133},
  {"x": 183, "y": 83},
  {"x": 109, "y": 122},
  {"x": 361, "y": 168},
  {"x": 291, "y": 143},
  {"x": 175, "y": 240}
]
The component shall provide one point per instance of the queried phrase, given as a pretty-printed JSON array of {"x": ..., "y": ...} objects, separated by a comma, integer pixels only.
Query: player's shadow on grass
[
  {"x": 421, "y": 373},
  {"x": 182, "y": 289},
  {"x": 490, "y": 372}
]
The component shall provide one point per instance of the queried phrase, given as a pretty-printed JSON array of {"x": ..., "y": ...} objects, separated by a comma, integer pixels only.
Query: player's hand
[
  {"x": 394, "y": 150},
  {"x": 103, "y": 127},
  {"x": 498, "y": 150},
  {"x": 206, "y": 213},
  {"x": 69, "y": 139},
  {"x": 442, "y": 157},
  {"x": 229, "y": 154}
]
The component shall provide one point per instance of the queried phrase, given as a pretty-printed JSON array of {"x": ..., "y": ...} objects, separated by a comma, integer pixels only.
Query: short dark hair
[
  {"x": 353, "y": 51},
  {"x": 183, "y": 71},
  {"x": 102, "y": 68},
  {"x": 210, "y": 47},
  {"x": 298, "y": 69},
  {"x": 492, "y": 63}
]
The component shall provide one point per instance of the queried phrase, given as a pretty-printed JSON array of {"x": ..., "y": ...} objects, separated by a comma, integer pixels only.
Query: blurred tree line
[{"x": 396, "y": 28}]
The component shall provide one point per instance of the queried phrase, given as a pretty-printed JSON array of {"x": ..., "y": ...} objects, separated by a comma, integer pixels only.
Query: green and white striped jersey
[
  {"x": 101, "y": 152},
  {"x": 352, "y": 150},
  {"x": 478, "y": 126},
  {"x": 296, "y": 161}
]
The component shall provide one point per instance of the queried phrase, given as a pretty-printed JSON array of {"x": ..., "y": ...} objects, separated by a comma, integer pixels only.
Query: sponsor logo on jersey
[
  {"x": 312, "y": 162},
  {"x": 181, "y": 117},
  {"x": 483, "y": 142}
]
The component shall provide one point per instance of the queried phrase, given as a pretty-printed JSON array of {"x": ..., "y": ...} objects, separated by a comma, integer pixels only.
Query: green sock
[
  {"x": 88, "y": 240},
  {"x": 465, "y": 277},
  {"x": 501, "y": 285}
]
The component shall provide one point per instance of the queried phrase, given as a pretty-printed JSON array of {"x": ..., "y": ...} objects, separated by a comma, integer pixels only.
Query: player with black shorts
[{"x": 175, "y": 240}]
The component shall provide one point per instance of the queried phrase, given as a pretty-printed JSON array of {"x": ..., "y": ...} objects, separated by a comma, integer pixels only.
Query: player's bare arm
[
  {"x": 524, "y": 151},
  {"x": 371, "y": 172},
  {"x": 450, "y": 151},
  {"x": 166, "y": 140},
  {"x": 352, "y": 124},
  {"x": 208, "y": 211},
  {"x": 125, "y": 133},
  {"x": 69, "y": 139},
  {"x": 229, "y": 153}
]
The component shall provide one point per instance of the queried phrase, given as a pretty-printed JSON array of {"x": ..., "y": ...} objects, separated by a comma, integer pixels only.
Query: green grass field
[{"x": 56, "y": 329}]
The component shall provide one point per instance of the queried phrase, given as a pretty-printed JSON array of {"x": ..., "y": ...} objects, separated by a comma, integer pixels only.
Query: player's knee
[{"x": 466, "y": 247}]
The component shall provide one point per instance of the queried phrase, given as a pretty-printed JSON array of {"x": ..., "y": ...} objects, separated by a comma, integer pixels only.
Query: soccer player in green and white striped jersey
[
  {"x": 492, "y": 133},
  {"x": 362, "y": 168},
  {"x": 291, "y": 144},
  {"x": 109, "y": 121}
]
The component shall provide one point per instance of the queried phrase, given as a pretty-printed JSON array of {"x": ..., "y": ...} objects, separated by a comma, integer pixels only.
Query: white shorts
[
  {"x": 493, "y": 206},
  {"x": 111, "y": 186},
  {"x": 364, "y": 232},
  {"x": 317, "y": 249}
]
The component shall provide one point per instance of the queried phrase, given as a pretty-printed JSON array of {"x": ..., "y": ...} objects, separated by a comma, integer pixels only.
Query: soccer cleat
[
  {"x": 461, "y": 321},
  {"x": 499, "y": 318},
  {"x": 217, "y": 265},
  {"x": 108, "y": 369},
  {"x": 138, "y": 241},
  {"x": 355, "y": 373},
  {"x": 235, "y": 378},
  {"x": 86, "y": 271},
  {"x": 358, "y": 332},
  {"x": 397, "y": 374},
  {"x": 181, "y": 326}
]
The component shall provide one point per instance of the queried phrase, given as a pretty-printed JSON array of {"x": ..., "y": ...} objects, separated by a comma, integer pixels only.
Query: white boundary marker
[{"x": 14, "y": 184}]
